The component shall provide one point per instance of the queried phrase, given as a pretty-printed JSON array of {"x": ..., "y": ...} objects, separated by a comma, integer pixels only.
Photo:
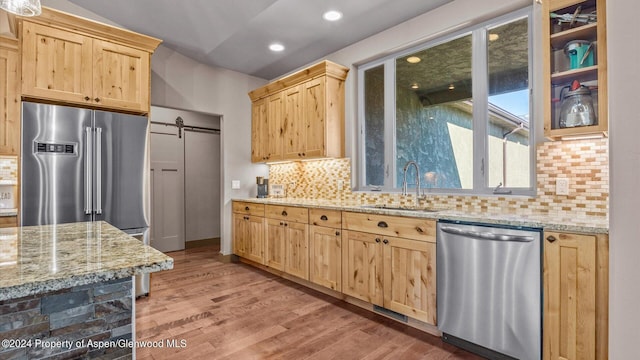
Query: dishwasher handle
[{"x": 486, "y": 235}]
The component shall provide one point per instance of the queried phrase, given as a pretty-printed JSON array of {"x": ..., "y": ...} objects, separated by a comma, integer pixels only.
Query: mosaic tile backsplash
[{"x": 584, "y": 163}]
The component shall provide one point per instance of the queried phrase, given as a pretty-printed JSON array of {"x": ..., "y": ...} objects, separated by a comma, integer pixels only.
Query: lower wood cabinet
[
  {"x": 325, "y": 257},
  {"x": 325, "y": 248},
  {"x": 248, "y": 231},
  {"x": 248, "y": 237},
  {"x": 8, "y": 221},
  {"x": 575, "y": 296},
  {"x": 396, "y": 273},
  {"x": 287, "y": 240}
]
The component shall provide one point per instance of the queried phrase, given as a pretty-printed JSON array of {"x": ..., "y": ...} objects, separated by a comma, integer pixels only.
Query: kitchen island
[{"x": 66, "y": 290}]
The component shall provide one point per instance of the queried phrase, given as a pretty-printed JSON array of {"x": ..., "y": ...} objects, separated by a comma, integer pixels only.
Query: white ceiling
[{"x": 235, "y": 34}]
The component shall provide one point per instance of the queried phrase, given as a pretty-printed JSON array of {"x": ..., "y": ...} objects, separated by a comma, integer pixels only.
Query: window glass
[
  {"x": 374, "y": 126},
  {"x": 508, "y": 126},
  {"x": 434, "y": 115}
]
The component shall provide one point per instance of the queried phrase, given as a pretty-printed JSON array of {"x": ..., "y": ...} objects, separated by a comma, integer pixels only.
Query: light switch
[
  {"x": 235, "y": 184},
  {"x": 562, "y": 186}
]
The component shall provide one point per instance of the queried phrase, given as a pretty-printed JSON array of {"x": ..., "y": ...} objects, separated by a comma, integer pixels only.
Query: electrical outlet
[
  {"x": 235, "y": 184},
  {"x": 562, "y": 186},
  {"x": 340, "y": 185}
]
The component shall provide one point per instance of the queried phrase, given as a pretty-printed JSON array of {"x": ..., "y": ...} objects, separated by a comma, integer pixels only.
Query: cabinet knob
[
  {"x": 377, "y": 240},
  {"x": 284, "y": 213},
  {"x": 96, "y": 99},
  {"x": 303, "y": 154},
  {"x": 337, "y": 233},
  {"x": 324, "y": 218},
  {"x": 246, "y": 208},
  {"x": 285, "y": 224},
  {"x": 281, "y": 223},
  {"x": 86, "y": 98},
  {"x": 382, "y": 224},
  {"x": 246, "y": 218},
  {"x": 551, "y": 238},
  {"x": 419, "y": 229},
  {"x": 385, "y": 241}
]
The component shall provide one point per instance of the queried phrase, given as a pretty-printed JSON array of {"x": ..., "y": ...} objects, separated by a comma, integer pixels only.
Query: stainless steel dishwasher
[{"x": 489, "y": 294}]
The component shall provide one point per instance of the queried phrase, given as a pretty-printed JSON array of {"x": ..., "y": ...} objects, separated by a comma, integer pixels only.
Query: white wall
[{"x": 623, "y": 57}]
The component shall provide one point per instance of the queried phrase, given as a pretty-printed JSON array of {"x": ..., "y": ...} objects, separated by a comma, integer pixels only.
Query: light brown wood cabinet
[
  {"x": 558, "y": 74},
  {"x": 77, "y": 61},
  {"x": 304, "y": 115},
  {"x": 9, "y": 97},
  {"x": 398, "y": 273},
  {"x": 287, "y": 240},
  {"x": 575, "y": 296},
  {"x": 8, "y": 221},
  {"x": 325, "y": 248},
  {"x": 249, "y": 231}
]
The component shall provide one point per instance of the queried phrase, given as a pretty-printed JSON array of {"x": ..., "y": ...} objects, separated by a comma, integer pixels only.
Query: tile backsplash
[
  {"x": 8, "y": 170},
  {"x": 585, "y": 163}
]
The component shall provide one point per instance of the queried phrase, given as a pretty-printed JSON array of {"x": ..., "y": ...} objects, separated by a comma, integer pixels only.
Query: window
[{"x": 458, "y": 106}]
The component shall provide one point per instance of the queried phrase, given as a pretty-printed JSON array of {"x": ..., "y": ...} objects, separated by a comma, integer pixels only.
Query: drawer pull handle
[
  {"x": 246, "y": 208},
  {"x": 551, "y": 238},
  {"x": 96, "y": 99},
  {"x": 382, "y": 224},
  {"x": 337, "y": 233},
  {"x": 86, "y": 98},
  {"x": 284, "y": 213},
  {"x": 419, "y": 229},
  {"x": 377, "y": 240},
  {"x": 246, "y": 218},
  {"x": 385, "y": 241},
  {"x": 324, "y": 218}
]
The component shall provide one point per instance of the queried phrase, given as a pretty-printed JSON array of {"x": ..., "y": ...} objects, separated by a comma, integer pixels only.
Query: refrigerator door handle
[
  {"x": 99, "y": 171},
  {"x": 88, "y": 165}
]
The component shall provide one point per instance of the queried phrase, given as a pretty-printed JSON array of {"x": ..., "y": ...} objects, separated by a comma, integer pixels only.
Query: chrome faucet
[{"x": 404, "y": 180}]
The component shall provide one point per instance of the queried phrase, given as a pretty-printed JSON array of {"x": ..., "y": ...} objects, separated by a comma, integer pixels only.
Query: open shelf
[{"x": 585, "y": 32}]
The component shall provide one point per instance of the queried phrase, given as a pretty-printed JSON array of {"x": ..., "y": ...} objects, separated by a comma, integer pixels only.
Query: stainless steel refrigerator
[{"x": 85, "y": 165}]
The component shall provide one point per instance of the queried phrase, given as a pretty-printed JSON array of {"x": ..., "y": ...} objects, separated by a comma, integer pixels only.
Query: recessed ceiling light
[
  {"x": 451, "y": 87},
  {"x": 276, "y": 47},
  {"x": 493, "y": 37},
  {"x": 332, "y": 15},
  {"x": 415, "y": 86},
  {"x": 413, "y": 59}
]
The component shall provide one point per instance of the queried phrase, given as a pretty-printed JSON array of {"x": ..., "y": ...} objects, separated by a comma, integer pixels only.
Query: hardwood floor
[{"x": 234, "y": 311}]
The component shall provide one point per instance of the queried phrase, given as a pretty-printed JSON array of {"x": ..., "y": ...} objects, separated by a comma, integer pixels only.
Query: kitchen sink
[{"x": 403, "y": 208}]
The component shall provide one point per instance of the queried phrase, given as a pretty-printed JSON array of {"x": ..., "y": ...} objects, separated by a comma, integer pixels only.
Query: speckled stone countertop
[
  {"x": 549, "y": 222},
  {"x": 40, "y": 259}
]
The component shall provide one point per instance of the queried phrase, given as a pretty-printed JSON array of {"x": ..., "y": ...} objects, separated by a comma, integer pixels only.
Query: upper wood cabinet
[
  {"x": 574, "y": 50},
  {"x": 575, "y": 296},
  {"x": 9, "y": 97},
  {"x": 77, "y": 61},
  {"x": 304, "y": 115}
]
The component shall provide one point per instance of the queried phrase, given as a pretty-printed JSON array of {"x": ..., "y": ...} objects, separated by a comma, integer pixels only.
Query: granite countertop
[
  {"x": 8, "y": 212},
  {"x": 549, "y": 222},
  {"x": 40, "y": 259}
]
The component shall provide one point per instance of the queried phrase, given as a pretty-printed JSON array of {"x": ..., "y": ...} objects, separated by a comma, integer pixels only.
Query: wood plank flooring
[{"x": 234, "y": 311}]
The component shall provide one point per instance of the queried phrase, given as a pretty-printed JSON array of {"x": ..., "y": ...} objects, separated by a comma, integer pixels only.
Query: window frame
[{"x": 480, "y": 90}]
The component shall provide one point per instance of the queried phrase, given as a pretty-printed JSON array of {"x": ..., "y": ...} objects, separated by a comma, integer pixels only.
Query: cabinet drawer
[
  {"x": 288, "y": 213},
  {"x": 8, "y": 221},
  {"x": 248, "y": 208},
  {"x": 323, "y": 217},
  {"x": 397, "y": 226}
]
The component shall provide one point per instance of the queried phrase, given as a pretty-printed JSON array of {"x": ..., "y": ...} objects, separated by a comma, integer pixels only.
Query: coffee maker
[{"x": 263, "y": 187}]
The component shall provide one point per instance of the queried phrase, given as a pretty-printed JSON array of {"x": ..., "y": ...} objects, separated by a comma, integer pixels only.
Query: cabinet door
[
  {"x": 274, "y": 244},
  {"x": 56, "y": 64},
  {"x": 259, "y": 131},
  {"x": 296, "y": 245},
  {"x": 325, "y": 257},
  {"x": 240, "y": 233},
  {"x": 120, "y": 77},
  {"x": 362, "y": 266},
  {"x": 9, "y": 98},
  {"x": 294, "y": 126},
  {"x": 569, "y": 296},
  {"x": 275, "y": 130},
  {"x": 254, "y": 242},
  {"x": 314, "y": 114},
  {"x": 410, "y": 278}
]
